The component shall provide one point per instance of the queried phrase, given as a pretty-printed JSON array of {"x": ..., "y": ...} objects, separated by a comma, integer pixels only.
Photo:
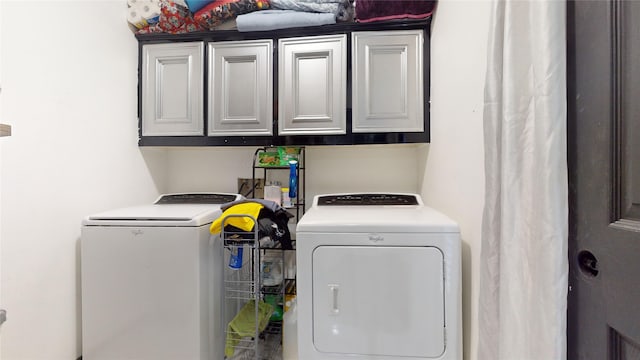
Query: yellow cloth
[
  {"x": 244, "y": 222},
  {"x": 244, "y": 324}
]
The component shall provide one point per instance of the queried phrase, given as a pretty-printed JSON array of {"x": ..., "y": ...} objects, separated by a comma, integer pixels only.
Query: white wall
[
  {"x": 328, "y": 169},
  {"x": 1, "y": 117},
  {"x": 69, "y": 90},
  {"x": 453, "y": 179}
]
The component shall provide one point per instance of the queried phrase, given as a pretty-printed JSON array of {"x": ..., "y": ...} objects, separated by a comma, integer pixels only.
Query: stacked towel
[
  {"x": 281, "y": 19},
  {"x": 195, "y": 5},
  {"x": 380, "y": 10},
  {"x": 244, "y": 324},
  {"x": 342, "y": 9},
  {"x": 182, "y": 16},
  {"x": 220, "y": 11},
  {"x": 175, "y": 18}
]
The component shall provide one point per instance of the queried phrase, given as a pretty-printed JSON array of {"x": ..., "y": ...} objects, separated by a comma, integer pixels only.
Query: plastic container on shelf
[
  {"x": 271, "y": 268},
  {"x": 272, "y": 300},
  {"x": 286, "y": 200},
  {"x": 235, "y": 259},
  {"x": 290, "y": 332},
  {"x": 293, "y": 179},
  {"x": 273, "y": 193}
]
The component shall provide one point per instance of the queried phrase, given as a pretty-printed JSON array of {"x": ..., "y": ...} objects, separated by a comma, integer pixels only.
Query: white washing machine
[
  {"x": 378, "y": 278},
  {"x": 151, "y": 281}
]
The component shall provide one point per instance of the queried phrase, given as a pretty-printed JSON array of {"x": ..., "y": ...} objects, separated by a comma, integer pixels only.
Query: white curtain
[{"x": 524, "y": 266}]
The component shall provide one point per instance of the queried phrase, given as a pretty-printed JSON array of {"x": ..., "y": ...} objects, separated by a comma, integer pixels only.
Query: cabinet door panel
[
  {"x": 172, "y": 89},
  {"x": 240, "y": 88},
  {"x": 240, "y": 101},
  {"x": 312, "y": 85},
  {"x": 388, "y": 81}
]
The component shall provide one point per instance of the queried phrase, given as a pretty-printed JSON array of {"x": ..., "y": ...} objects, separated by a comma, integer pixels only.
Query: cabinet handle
[{"x": 333, "y": 291}]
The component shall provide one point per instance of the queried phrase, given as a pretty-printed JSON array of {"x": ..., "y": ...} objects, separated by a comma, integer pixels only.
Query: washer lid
[
  {"x": 193, "y": 209},
  {"x": 349, "y": 213}
]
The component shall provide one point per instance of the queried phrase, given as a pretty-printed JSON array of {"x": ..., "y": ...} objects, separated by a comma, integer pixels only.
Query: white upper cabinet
[
  {"x": 172, "y": 87},
  {"x": 330, "y": 85},
  {"x": 387, "y": 81},
  {"x": 240, "y": 85},
  {"x": 312, "y": 80}
]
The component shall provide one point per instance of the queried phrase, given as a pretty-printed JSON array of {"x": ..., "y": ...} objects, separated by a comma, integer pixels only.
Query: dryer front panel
[{"x": 378, "y": 300}]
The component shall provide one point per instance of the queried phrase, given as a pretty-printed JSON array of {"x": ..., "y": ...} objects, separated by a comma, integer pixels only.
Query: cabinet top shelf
[{"x": 338, "y": 28}]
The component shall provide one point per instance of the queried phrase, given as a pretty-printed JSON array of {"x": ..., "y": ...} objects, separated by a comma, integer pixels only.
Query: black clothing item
[{"x": 272, "y": 221}]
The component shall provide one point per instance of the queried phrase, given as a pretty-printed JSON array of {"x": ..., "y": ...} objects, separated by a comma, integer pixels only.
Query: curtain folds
[{"x": 523, "y": 262}]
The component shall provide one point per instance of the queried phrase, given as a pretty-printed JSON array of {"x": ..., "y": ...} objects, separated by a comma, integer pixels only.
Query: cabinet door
[
  {"x": 240, "y": 88},
  {"x": 388, "y": 81},
  {"x": 172, "y": 76},
  {"x": 312, "y": 85}
]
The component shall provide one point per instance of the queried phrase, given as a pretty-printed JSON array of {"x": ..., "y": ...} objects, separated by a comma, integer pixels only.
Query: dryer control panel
[{"x": 367, "y": 199}]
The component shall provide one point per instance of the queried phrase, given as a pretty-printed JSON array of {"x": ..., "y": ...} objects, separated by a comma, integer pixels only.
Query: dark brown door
[{"x": 604, "y": 179}]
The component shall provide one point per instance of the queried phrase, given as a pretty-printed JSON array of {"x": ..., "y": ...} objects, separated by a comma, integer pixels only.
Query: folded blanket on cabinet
[
  {"x": 379, "y": 10},
  {"x": 342, "y": 9},
  {"x": 220, "y": 11},
  {"x": 174, "y": 18},
  {"x": 281, "y": 19}
]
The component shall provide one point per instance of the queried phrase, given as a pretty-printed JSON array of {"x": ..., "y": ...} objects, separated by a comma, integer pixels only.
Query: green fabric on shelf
[{"x": 244, "y": 324}]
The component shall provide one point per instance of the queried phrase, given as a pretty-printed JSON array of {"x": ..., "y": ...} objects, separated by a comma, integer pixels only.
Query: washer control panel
[{"x": 196, "y": 198}]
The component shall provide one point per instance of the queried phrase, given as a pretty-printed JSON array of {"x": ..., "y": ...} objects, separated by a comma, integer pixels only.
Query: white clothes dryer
[
  {"x": 151, "y": 279},
  {"x": 378, "y": 278}
]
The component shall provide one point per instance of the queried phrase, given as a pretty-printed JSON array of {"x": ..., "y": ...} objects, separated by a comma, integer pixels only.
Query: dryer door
[{"x": 378, "y": 300}]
